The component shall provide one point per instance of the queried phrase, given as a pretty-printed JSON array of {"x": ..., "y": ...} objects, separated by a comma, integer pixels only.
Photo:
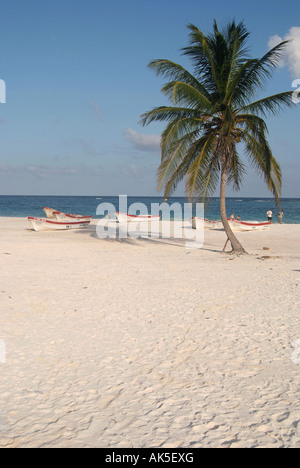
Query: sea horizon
[
  {"x": 248, "y": 208},
  {"x": 146, "y": 196}
]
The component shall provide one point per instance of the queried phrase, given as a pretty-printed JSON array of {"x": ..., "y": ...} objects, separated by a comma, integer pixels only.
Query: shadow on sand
[{"x": 143, "y": 239}]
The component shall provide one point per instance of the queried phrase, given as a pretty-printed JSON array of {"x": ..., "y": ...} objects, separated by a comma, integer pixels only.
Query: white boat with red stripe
[
  {"x": 126, "y": 218},
  {"x": 43, "y": 224},
  {"x": 71, "y": 217},
  {"x": 248, "y": 225},
  {"x": 199, "y": 223},
  {"x": 59, "y": 215},
  {"x": 49, "y": 212}
]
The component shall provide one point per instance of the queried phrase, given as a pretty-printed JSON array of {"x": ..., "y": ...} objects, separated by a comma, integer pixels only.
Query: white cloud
[
  {"x": 291, "y": 54},
  {"x": 293, "y": 50},
  {"x": 141, "y": 141}
]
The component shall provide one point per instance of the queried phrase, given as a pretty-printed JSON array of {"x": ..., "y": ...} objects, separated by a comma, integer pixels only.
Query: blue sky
[{"x": 77, "y": 82}]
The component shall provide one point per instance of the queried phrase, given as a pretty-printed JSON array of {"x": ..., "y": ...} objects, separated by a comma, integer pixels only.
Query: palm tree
[{"x": 211, "y": 112}]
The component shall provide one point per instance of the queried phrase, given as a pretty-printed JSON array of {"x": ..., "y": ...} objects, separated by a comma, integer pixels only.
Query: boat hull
[
  {"x": 70, "y": 217},
  {"x": 126, "y": 218},
  {"x": 200, "y": 223},
  {"x": 49, "y": 212},
  {"x": 42, "y": 224},
  {"x": 248, "y": 226},
  {"x": 55, "y": 214}
]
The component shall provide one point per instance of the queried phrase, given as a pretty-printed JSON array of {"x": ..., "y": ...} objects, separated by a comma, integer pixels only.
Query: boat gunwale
[
  {"x": 137, "y": 216},
  {"x": 73, "y": 216},
  {"x": 61, "y": 223}
]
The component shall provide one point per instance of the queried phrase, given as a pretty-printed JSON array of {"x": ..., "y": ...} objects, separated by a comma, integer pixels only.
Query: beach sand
[{"x": 144, "y": 343}]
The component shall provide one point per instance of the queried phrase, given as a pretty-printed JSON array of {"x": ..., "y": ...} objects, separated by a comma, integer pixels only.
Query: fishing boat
[
  {"x": 43, "y": 224},
  {"x": 199, "y": 223},
  {"x": 59, "y": 215},
  {"x": 70, "y": 217},
  {"x": 248, "y": 225},
  {"x": 49, "y": 212},
  {"x": 126, "y": 218}
]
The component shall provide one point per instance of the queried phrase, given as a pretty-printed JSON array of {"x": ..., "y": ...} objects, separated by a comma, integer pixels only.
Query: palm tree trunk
[{"x": 236, "y": 246}]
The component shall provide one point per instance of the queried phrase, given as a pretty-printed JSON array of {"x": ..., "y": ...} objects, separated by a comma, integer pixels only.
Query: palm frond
[
  {"x": 174, "y": 71},
  {"x": 200, "y": 52},
  {"x": 254, "y": 74},
  {"x": 178, "y": 130},
  {"x": 212, "y": 111},
  {"x": 236, "y": 171},
  {"x": 201, "y": 172},
  {"x": 262, "y": 159},
  {"x": 183, "y": 93},
  {"x": 170, "y": 167},
  {"x": 271, "y": 105},
  {"x": 165, "y": 114}
]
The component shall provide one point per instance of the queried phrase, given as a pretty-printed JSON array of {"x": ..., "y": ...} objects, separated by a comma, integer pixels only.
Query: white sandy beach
[{"x": 143, "y": 343}]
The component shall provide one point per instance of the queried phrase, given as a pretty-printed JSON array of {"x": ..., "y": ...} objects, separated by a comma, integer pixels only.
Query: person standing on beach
[
  {"x": 280, "y": 216},
  {"x": 270, "y": 216}
]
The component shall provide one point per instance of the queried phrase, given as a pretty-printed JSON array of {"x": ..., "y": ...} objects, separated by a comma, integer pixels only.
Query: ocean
[{"x": 251, "y": 209}]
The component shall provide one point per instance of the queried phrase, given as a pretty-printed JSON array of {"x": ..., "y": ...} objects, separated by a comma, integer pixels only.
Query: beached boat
[
  {"x": 248, "y": 225},
  {"x": 70, "y": 217},
  {"x": 199, "y": 223},
  {"x": 59, "y": 215},
  {"x": 126, "y": 218},
  {"x": 49, "y": 212},
  {"x": 43, "y": 224}
]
